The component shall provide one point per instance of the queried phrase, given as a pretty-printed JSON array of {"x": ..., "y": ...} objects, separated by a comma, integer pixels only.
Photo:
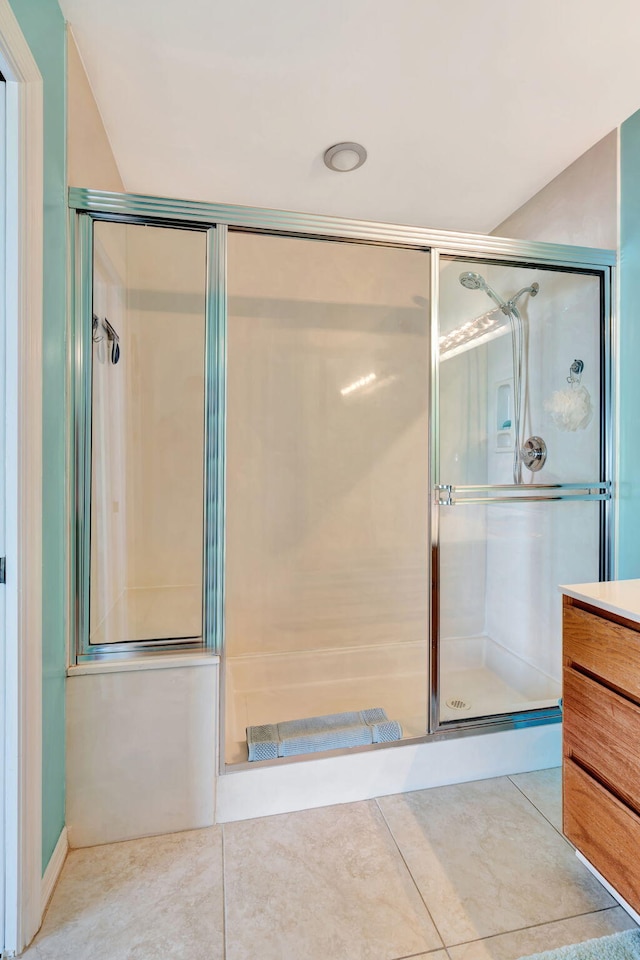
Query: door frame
[
  {"x": 22, "y": 679},
  {"x": 600, "y": 491}
]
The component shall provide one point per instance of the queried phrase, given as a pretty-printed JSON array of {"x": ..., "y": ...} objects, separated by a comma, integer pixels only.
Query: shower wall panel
[
  {"x": 463, "y": 457},
  {"x": 531, "y": 548},
  {"x": 166, "y": 429},
  {"x": 462, "y": 441},
  {"x": 564, "y": 325},
  {"x": 109, "y": 419}
]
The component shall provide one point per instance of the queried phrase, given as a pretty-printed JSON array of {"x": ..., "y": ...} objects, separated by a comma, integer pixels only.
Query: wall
[
  {"x": 90, "y": 160},
  {"x": 579, "y": 206},
  {"x": 629, "y": 350},
  {"x": 43, "y": 27}
]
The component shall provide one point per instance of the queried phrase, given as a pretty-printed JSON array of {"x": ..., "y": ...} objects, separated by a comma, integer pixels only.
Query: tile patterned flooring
[{"x": 475, "y": 871}]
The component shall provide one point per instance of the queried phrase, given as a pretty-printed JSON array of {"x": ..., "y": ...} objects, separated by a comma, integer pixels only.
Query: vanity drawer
[
  {"x": 603, "y": 648},
  {"x": 605, "y": 831},
  {"x": 602, "y": 731}
]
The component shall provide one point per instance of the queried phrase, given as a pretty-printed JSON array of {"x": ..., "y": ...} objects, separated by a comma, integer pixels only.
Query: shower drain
[{"x": 455, "y": 703}]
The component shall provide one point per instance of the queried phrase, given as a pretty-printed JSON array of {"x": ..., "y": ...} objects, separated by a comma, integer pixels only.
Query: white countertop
[{"x": 616, "y": 596}]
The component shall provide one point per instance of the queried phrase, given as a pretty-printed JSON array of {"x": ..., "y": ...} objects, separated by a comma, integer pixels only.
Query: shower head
[{"x": 473, "y": 281}]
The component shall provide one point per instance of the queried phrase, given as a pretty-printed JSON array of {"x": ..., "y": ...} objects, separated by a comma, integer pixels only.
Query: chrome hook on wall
[
  {"x": 575, "y": 372},
  {"x": 112, "y": 336}
]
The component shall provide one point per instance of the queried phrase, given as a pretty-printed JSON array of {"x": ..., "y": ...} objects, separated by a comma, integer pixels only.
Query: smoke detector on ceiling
[{"x": 344, "y": 157}]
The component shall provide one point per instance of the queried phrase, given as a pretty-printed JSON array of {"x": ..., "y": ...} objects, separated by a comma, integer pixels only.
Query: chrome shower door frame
[
  {"x": 588, "y": 261},
  {"x": 87, "y": 206},
  {"x": 81, "y": 233}
]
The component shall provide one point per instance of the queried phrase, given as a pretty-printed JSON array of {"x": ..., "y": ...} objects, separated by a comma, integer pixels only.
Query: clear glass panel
[
  {"x": 500, "y": 564},
  {"x": 478, "y": 391},
  {"x": 327, "y": 483},
  {"x": 500, "y": 607},
  {"x": 147, "y": 434}
]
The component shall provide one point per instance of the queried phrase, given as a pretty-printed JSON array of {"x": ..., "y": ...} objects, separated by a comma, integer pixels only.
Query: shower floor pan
[
  {"x": 479, "y": 678},
  {"x": 276, "y": 687}
]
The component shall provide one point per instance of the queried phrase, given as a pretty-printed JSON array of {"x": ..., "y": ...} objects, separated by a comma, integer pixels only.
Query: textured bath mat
[
  {"x": 620, "y": 946},
  {"x": 313, "y": 734}
]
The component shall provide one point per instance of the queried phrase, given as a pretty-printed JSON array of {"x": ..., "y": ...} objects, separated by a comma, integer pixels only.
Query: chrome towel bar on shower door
[{"x": 448, "y": 495}]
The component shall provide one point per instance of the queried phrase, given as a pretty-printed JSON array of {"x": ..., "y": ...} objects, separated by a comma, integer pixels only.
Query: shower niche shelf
[{"x": 504, "y": 416}]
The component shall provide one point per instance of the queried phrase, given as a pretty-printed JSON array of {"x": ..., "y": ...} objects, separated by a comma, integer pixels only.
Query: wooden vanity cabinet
[{"x": 601, "y": 743}]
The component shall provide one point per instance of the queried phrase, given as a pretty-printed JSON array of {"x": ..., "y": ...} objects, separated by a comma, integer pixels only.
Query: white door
[
  {"x": 3, "y": 624},
  {"x": 21, "y": 298}
]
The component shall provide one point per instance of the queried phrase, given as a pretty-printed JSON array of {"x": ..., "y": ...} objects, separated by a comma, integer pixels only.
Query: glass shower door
[
  {"x": 147, "y": 430},
  {"x": 327, "y": 483},
  {"x": 519, "y": 488}
]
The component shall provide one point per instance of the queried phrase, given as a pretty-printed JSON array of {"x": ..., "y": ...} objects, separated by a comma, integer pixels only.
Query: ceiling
[{"x": 466, "y": 108}]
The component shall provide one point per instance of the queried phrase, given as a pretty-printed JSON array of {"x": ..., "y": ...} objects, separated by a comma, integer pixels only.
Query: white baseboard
[
  {"x": 605, "y": 883},
  {"x": 54, "y": 868},
  {"x": 283, "y": 788}
]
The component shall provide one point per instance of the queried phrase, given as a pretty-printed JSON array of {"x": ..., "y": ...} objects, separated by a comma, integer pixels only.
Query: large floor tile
[
  {"x": 549, "y": 936},
  {"x": 141, "y": 900},
  {"x": 544, "y": 789},
  {"x": 486, "y": 861},
  {"x": 326, "y": 883}
]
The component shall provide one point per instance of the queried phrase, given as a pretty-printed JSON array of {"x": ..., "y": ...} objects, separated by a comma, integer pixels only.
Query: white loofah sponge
[{"x": 571, "y": 408}]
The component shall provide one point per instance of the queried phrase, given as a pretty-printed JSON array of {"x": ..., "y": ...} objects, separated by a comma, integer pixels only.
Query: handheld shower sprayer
[
  {"x": 531, "y": 452},
  {"x": 474, "y": 281}
]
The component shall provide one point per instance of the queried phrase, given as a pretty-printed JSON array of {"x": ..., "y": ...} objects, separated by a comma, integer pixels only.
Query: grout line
[
  {"x": 428, "y": 953},
  {"x": 395, "y": 842},
  {"x": 543, "y": 815},
  {"x": 534, "y": 926},
  {"x": 224, "y": 897},
  {"x": 424, "y": 953},
  {"x": 559, "y": 832}
]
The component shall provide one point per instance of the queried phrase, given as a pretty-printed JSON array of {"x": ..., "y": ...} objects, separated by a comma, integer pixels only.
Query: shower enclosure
[
  {"x": 354, "y": 459},
  {"x": 522, "y": 490}
]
